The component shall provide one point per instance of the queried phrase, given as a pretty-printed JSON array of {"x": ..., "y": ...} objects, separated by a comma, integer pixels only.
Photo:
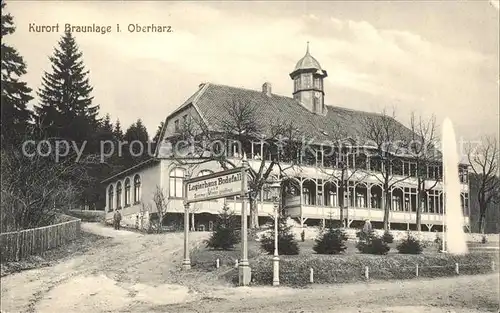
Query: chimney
[{"x": 266, "y": 89}]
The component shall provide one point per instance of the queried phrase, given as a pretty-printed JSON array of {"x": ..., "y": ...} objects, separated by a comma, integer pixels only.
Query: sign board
[{"x": 218, "y": 185}]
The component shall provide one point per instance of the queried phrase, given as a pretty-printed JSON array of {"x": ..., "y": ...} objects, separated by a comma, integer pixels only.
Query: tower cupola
[{"x": 308, "y": 83}]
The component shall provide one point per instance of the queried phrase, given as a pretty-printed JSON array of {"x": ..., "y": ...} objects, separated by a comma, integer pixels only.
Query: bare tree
[
  {"x": 233, "y": 139},
  {"x": 37, "y": 184},
  {"x": 388, "y": 140},
  {"x": 483, "y": 160},
  {"x": 343, "y": 162},
  {"x": 422, "y": 148},
  {"x": 161, "y": 202}
]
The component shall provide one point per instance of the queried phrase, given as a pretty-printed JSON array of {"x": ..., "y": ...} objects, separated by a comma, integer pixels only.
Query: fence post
[
  {"x": 367, "y": 273},
  {"x": 311, "y": 275},
  {"x": 456, "y": 268},
  {"x": 236, "y": 263},
  {"x": 33, "y": 241},
  {"x": 17, "y": 246},
  {"x": 416, "y": 270},
  {"x": 493, "y": 265},
  {"x": 217, "y": 263}
]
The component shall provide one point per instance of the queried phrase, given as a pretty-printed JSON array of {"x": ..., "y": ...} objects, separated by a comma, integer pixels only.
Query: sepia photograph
[{"x": 250, "y": 156}]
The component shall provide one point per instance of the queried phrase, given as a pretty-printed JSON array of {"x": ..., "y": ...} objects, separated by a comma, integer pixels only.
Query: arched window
[
  {"x": 111, "y": 192},
  {"x": 118, "y": 195},
  {"x": 176, "y": 183},
  {"x": 205, "y": 172},
  {"x": 137, "y": 188},
  {"x": 127, "y": 191}
]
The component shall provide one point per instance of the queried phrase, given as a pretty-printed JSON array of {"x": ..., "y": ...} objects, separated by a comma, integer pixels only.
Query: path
[
  {"x": 464, "y": 294},
  {"x": 137, "y": 273},
  {"x": 132, "y": 268}
]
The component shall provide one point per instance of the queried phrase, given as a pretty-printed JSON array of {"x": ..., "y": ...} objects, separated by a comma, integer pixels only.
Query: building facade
[{"x": 314, "y": 178}]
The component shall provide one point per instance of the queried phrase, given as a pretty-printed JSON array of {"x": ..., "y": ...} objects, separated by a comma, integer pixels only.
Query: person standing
[{"x": 117, "y": 217}]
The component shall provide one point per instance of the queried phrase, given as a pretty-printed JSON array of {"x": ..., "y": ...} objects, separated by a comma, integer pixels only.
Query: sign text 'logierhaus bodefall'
[{"x": 214, "y": 186}]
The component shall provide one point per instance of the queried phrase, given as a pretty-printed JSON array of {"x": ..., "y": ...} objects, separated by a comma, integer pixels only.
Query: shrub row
[{"x": 350, "y": 268}]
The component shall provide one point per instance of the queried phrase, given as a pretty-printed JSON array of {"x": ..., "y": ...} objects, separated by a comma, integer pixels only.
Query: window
[
  {"x": 435, "y": 172},
  {"x": 118, "y": 195},
  {"x": 127, "y": 191},
  {"x": 463, "y": 173},
  {"x": 184, "y": 119},
  {"x": 176, "y": 126},
  {"x": 297, "y": 83},
  {"x": 137, "y": 189},
  {"x": 176, "y": 183},
  {"x": 464, "y": 199},
  {"x": 409, "y": 169},
  {"x": 307, "y": 83},
  {"x": 110, "y": 198},
  {"x": 205, "y": 172}
]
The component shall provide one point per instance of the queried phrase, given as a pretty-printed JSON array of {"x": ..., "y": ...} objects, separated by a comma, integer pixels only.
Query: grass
[{"x": 347, "y": 267}]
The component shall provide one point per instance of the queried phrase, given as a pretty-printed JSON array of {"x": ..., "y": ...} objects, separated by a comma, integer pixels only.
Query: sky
[{"x": 426, "y": 57}]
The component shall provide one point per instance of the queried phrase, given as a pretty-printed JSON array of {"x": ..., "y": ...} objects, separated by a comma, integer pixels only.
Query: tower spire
[{"x": 307, "y": 49}]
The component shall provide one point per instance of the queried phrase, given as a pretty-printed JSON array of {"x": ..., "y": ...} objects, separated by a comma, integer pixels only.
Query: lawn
[{"x": 347, "y": 267}]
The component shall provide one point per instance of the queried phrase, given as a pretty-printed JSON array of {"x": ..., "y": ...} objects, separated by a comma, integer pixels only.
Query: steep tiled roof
[{"x": 212, "y": 101}]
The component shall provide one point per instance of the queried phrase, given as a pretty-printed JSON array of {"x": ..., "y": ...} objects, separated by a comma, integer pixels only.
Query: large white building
[{"x": 315, "y": 195}]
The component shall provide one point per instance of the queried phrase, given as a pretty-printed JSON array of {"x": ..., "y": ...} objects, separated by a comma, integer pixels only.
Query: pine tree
[
  {"x": 225, "y": 234},
  {"x": 15, "y": 93},
  {"x": 157, "y": 136},
  {"x": 66, "y": 109},
  {"x": 137, "y": 147},
  {"x": 117, "y": 131},
  {"x": 287, "y": 244},
  {"x": 331, "y": 240}
]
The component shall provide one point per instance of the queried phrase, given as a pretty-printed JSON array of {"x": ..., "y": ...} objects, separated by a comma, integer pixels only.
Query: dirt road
[
  {"x": 136, "y": 273},
  {"x": 471, "y": 294},
  {"x": 132, "y": 268}
]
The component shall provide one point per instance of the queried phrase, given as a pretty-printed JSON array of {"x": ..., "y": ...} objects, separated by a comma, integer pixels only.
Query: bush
[
  {"x": 287, "y": 244},
  {"x": 370, "y": 243},
  {"x": 331, "y": 241},
  {"x": 225, "y": 234},
  {"x": 410, "y": 245},
  {"x": 439, "y": 242},
  {"x": 388, "y": 237}
]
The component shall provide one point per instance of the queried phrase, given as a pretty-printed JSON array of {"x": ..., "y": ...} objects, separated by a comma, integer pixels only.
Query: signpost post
[{"x": 215, "y": 186}]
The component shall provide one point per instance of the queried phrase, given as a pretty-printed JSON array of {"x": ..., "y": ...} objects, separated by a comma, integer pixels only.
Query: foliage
[
  {"x": 133, "y": 152},
  {"x": 410, "y": 245},
  {"x": 438, "y": 241},
  {"x": 15, "y": 93},
  {"x": 331, "y": 269},
  {"x": 66, "y": 109},
  {"x": 331, "y": 241},
  {"x": 287, "y": 244},
  {"x": 388, "y": 237},
  {"x": 370, "y": 243},
  {"x": 35, "y": 187},
  {"x": 225, "y": 234}
]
